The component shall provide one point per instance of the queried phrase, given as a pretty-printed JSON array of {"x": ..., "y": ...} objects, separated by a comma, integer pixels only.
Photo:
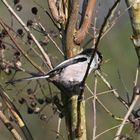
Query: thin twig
[
  {"x": 136, "y": 98},
  {"x": 116, "y": 94},
  {"x": 99, "y": 94},
  {"x": 49, "y": 15},
  {"x": 9, "y": 126},
  {"x": 55, "y": 44},
  {"x": 94, "y": 108},
  {"x": 19, "y": 38},
  {"x": 111, "y": 25},
  {"x": 19, "y": 120},
  {"x": 112, "y": 128},
  {"x": 46, "y": 57},
  {"x": 19, "y": 48},
  {"x": 58, "y": 128},
  {"x": 103, "y": 106},
  {"x": 99, "y": 38},
  {"x": 136, "y": 77}
]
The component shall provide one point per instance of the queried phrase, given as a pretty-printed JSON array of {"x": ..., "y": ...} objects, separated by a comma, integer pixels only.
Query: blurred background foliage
[{"x": 119, "y": 60}]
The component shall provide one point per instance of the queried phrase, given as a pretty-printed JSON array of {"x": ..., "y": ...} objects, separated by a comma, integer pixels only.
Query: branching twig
[
  {"x": 112, "y": 128},
  {"x": 28, "y": 31},
  {"x": 49, "y": 15},
  {"x": 57, "y": 10},
  {"x": 99, "y": 37},
  {"x": 103, "y": 106},
  {"x": 116, "y": 94},
  {"x": 19, "y": 48},
  {"x": 9, "y": 126},
  {"x": 136, "y": 92},
  {"x": 15, "y": 113},
  {"x": 81, "y": 33}
]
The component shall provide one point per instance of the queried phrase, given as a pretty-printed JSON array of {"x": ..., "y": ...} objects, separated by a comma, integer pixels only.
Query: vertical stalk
[{"x": 134, "y": 13}]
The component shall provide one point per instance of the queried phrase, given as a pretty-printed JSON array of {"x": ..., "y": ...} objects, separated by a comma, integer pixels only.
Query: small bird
[{"x": 71, "y": 71}]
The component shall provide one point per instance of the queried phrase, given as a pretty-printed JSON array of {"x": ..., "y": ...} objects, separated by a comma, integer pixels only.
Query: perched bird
[{"x": 71, "y": 71}]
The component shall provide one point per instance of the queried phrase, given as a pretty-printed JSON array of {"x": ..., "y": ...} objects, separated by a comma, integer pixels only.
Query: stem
[
  {"x": 46, "y": 57},
  {"x": 81, "y": 33},
  {"x": 136, "y": 92},
  {"x": 126, "y": 117},
  {"x": 72, "y": 48},
  {"x": 9, "y": 126},
  {"x": 94, "y": 109}
]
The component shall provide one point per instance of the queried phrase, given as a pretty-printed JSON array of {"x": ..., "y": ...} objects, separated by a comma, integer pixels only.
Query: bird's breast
[{"x": 73, "y": 73}]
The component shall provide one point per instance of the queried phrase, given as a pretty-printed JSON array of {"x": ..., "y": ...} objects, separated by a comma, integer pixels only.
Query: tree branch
[
  {"x": 46, "y": 57},
  {"x": 56, "y": 8},
  {"x": 71, "y": 47},
  {"x": 134, "y": 13},
  {"x": 9, "y": 126},
  {"x": 81, "y": 33}
]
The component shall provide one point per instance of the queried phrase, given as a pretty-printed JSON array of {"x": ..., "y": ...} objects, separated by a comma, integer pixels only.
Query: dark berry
[
  {"x": 40, "y": 101},
  {"x": 29, "y": 23},
  {"x": 29, "y": 91},
  {"x": 17, "y": 53},
  {"x": 34, "y": 10},
  {"x": 16, "y": 2},
  {"x": 18, "y": 7},
  {"x": 48, "y": 100},
  {"x": 30, "y": 110},
  {"x": 20, "y": 32},
  {"x": 22, "y": 101}
]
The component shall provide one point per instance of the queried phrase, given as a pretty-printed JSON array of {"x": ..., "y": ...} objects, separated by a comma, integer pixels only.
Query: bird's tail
[{"x": 28, "y": 79}]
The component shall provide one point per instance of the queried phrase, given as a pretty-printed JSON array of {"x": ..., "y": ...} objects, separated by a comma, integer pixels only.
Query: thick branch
[
  {"x": 81, "y": 33},
  {"x": 71, "y": 47},
  {"x": 53, "y": 9},
  {"x": 134, "y": 13},
  {"x": 57, "y": 11}
]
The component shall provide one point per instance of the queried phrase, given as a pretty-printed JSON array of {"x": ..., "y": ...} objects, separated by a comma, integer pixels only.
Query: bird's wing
[{"x": 68, "y": 62}]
